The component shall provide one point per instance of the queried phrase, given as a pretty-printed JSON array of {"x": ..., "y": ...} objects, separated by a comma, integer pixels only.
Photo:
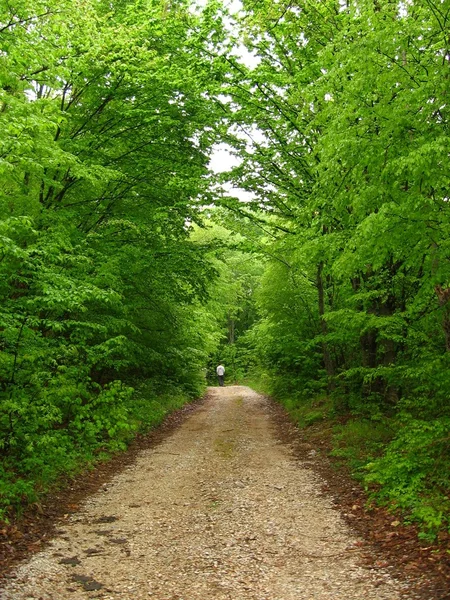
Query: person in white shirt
[{"x": 220, "y": 373}]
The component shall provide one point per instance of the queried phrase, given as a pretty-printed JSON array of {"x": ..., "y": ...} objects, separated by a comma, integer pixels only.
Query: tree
[
  {"x": 104, "y": 165},
  {"x": 347, "y": 116}
]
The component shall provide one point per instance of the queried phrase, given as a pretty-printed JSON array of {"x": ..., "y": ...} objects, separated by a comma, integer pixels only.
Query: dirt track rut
[{"x": 219, "y": 510}]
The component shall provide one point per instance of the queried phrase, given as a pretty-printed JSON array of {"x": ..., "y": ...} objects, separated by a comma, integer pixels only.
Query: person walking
[{"x": 220, "y": 373}]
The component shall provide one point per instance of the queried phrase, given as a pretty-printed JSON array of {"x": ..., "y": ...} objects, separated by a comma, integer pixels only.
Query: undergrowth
[
  {"x": 37, "y": 463},
  {"x": 401, "y": 459}
]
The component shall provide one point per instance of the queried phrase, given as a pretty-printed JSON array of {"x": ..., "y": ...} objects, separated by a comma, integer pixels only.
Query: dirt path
[{"x": 219, "y": 510}]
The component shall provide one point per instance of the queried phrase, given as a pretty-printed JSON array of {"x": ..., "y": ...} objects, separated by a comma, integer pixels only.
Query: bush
[
  {"x": 102, "y": 423},
  {"x": 414, "y": 472}
]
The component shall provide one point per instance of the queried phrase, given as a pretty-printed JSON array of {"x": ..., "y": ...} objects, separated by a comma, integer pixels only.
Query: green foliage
[
  {"x": 39, "y": 455},
  {"x": 332, "y": 280},
  {"x": 347, "y": 110},
  {"x": 307, "y": 412},
  {"x": 359, "y": 440},
  {"x": 106, "y": 134},
  {"x": 413, "y": 473},
  {"x": 232, "y": 296}
]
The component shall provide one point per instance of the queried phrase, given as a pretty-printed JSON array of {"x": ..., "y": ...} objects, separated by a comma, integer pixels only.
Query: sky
[{"x": 222, "y": 160}]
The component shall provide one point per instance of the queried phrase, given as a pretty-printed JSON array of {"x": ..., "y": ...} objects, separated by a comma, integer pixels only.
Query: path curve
[{"x": 220, "y": 510}]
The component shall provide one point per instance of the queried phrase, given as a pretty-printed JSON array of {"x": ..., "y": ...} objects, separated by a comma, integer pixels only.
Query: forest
[{"x": 128, "y": 268}]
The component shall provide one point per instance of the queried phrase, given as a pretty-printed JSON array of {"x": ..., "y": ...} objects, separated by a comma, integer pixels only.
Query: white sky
[{"x": 222, "y": 160}]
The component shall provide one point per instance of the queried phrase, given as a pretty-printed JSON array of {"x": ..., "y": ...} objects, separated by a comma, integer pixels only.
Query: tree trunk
[
  {"x": 327, "y": 359},
  {"x": 231, "y": 328},
  {"x": 391, "y": 392},
  {"x": 367, "y": 340},
  {"x": 444, "y": 301}
]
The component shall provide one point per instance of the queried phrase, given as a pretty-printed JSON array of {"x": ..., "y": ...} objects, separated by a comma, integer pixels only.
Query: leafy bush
[
  {"x": 101, "y": 425},
  {"x": 413, "y": 474}
]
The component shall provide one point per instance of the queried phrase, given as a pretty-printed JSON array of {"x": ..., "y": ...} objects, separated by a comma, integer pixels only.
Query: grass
[
  {"x": 402, "y": 466},
  {"x": 225, "y": 447},
  {"x": 353, "y": 440},
  {"x": 261, "y": 383},
  {"x": 360, "y": 440}
]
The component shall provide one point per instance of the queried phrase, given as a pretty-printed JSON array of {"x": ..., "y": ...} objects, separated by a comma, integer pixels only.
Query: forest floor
[{"x": 224, "y": 502}]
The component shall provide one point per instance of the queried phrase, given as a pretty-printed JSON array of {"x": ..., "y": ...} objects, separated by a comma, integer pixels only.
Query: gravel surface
[{"x": 219, "y": 510}]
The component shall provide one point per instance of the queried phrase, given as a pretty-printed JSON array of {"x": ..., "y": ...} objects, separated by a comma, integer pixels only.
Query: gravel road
[{"x": 219, "y": 510}]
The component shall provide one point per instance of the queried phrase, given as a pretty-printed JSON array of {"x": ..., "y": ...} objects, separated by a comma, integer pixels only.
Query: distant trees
[{"x": 232, "y": 294}]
